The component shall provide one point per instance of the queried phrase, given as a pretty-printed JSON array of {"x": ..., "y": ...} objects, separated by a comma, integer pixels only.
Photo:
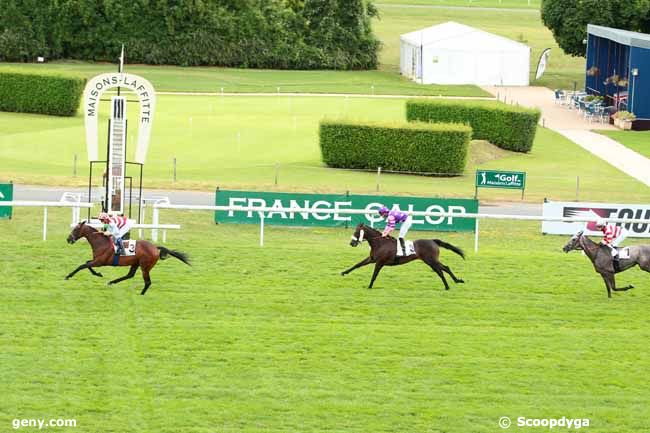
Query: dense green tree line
[
  {"x": 282, "y": 34},
  {"x": 568, "y": 19}
]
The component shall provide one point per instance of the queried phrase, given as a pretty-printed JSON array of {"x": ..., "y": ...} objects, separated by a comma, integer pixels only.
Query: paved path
[
  {"x": 461, "y": 8},
  {"x": 573, "y": 126},
  {"x": 54, "y": 193},
  {"x": 326, "y": 95}
]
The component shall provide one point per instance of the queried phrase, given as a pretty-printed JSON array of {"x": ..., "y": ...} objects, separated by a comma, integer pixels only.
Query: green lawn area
[
  {"x": 519, "y": 4},
  {"x": 273, "y": 339},
  {"x": 213, "y": 80},
  {"x": 236, "y": 142},
  {"x": 524, "y": 26},
  {"x": 638, "y": 141}
]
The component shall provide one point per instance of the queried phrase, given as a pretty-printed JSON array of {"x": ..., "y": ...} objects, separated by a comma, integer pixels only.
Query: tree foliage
[
  {"x": 568, "y": 19},
  {"x": 281, "y": 34}
]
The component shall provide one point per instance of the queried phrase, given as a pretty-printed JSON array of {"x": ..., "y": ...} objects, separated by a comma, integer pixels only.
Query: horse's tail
[
  {"x": 444, "y": 244},
  {"x": 165, "y": 253}
]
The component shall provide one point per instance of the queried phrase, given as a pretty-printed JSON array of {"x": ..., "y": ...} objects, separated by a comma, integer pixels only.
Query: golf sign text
[{"x": 501, "y": 179}]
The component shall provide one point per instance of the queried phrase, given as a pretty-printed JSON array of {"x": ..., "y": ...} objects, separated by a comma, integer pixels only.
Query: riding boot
[
  {"x": 120, "y": 247},
  {"x": 617, "y": 265},
  {"x": 403, "y": 244}
]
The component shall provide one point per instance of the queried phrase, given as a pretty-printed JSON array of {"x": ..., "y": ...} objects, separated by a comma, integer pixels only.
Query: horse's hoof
[
  {"x": 343, "y": 274},
  {"x": 100, "y": 275},
  {"x": 110, "y": 283},
  {"x": 66, "y": 278},
  {"x": 631, "y": 287},
  {"x": 461, "y": 281}
]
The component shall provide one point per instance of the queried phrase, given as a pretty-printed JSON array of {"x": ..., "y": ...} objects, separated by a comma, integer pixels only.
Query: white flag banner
[{"x": 541, "y": 65}]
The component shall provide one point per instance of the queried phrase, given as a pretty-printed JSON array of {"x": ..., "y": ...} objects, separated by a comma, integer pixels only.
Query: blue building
[{"x": 618, "y": 68}]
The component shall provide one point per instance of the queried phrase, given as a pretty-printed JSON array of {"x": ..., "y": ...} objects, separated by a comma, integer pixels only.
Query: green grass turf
[
  {"x": 638, "y": 141},
  {"x": 273, "y": 339},
  {"x": 518, "y": 4},
  {"x": 40, "y": 149}
]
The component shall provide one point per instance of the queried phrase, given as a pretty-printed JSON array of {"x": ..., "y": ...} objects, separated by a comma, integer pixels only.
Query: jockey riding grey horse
[{"x": 603, "y": 262}]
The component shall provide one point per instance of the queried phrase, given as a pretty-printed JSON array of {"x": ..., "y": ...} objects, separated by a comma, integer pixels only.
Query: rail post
[
  {"x": 156, "y": 216},
  {"x": 45, "y": 223},
  {"x": 261, "y": 229},
  {"x": 476, "y": 235}
]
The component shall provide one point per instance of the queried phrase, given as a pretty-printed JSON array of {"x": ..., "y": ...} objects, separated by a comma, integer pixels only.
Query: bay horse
[
  {"x": 601, "y": 258},
  {"x": 146, "y": 255},
  {"x": 383, "y": 252}
]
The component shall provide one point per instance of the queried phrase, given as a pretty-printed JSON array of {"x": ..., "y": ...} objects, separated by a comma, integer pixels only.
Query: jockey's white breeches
[
  {"x": 124, "y": 230},
  {"x": 621, "y": 238},
  {"x": 406, "y": 225}
]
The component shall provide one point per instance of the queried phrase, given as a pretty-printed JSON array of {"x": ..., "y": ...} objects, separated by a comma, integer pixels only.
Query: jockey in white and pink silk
[
  {"x": 613, "y": 235},
  {"x": 117, "y": 226}
]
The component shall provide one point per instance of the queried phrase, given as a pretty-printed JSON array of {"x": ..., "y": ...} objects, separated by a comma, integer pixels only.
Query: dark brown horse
[
  {"x": 383, "y": 252},
  {"x": 146, "y": 255}
]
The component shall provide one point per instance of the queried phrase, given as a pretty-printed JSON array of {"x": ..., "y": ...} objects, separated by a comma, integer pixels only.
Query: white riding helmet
[{"x": 601, "y": 222}]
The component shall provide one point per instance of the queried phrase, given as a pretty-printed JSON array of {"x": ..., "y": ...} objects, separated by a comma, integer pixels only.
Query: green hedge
[
  {"x": 40, "y": 93},
  {"x": 270, "y": 34},
  {"x": 509, "y": 127},
  {"x": 416, "y": 147}
]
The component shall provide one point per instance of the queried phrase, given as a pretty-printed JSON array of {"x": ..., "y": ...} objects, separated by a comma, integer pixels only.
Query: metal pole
[
  {"x": 476, "y": 235},
  {"x": 44, "y": 223},
  {"x": 261, "y": 229},
  {"x": 378, "y": 174},
  {"x": 155, "y": 222},
  {"x": 277, "y": 172},
  {"x": 164, "y": 235},
  {"x": 174, "y": 169},
  {"x": 577, "y": 188},
  {"x": 74, "y": 166}
]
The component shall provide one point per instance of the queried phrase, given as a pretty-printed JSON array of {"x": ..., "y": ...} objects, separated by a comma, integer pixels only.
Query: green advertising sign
[
  {"x": 315, "y": 202},
  {"x": 500, "y": 179},
  {"x": 6, "y": 194}
]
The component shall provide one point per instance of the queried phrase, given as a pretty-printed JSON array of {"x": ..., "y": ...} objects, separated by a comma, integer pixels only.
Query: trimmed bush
[
  {"x": 416, "y": 147},
  {"x": 509, "y": 127},
  {"x": 40, "y": 93}
]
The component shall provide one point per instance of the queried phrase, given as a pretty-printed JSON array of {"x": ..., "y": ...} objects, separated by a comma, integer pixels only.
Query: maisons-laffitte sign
[{"x": 92, "y": 95}]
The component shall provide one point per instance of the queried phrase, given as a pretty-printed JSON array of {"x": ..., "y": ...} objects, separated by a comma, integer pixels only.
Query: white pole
[
  {"x": 154, "y": 232},
  {"x": 143, "y": 205},
  {"x": 44, "y": 223},
  {"x": 261, "y": 229},
  {"x": 164, "y": 235},
  {"x": 476, "y": 236}
]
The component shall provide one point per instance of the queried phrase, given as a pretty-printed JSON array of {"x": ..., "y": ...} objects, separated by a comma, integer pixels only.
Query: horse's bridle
[{"x": 360, "y": 238}]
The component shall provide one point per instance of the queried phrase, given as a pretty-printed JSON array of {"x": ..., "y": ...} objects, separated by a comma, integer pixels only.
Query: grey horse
[{"x": 601, "y": 258}]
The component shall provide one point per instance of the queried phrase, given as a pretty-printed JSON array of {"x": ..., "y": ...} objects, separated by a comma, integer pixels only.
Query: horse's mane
[{"x": 370, "y": 229}]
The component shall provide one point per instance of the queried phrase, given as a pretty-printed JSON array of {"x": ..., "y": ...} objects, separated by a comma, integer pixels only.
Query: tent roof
[
  {"x": 459, "y": 36},
  {"x": 624, "y": 37}
]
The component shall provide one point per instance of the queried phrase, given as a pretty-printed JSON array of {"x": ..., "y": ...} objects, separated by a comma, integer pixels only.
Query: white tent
[{"x": 452, "y": 53}]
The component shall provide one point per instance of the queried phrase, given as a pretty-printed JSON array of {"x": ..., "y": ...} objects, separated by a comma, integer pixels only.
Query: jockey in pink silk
[{"x": 392, "y": 218}]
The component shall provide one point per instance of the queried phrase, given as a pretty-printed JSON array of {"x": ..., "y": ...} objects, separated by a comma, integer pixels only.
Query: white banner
[
  {"x": 92, "y": 94},
  {"x": 595, "y": 210},
  {"x": 543, "y": 61}
]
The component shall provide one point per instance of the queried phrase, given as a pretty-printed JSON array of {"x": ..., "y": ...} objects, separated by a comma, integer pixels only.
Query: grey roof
[{"x": 624, "y": 37}]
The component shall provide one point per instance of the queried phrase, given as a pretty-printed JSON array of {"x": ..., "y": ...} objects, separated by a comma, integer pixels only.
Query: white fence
[
  {"x": 476, "y": 216},
  {"x": 76, "y": 207}
]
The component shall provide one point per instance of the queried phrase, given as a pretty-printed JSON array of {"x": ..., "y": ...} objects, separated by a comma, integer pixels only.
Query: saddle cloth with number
[
  {"x": 129, "y": 248},
  {"x": 410, "y": 249}
]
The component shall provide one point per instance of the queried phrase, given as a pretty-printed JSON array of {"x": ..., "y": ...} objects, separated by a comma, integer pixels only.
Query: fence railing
[
  {"x": 76, "y": 206},
  {"x": 460, "y": 214}
]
